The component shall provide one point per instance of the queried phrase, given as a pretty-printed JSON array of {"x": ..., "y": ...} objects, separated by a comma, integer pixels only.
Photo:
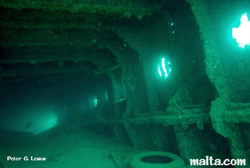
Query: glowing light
[
  {"x": 242, "y": 33},
  {"x": 95, "y": 101},
  {"x": 159, "y": 70},
  {"x": 164, "y": 67},
  {"x": 35, "y": 121}
]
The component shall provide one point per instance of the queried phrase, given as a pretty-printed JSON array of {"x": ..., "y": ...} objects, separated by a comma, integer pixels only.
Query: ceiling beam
[{"x": 125, "y": 10}]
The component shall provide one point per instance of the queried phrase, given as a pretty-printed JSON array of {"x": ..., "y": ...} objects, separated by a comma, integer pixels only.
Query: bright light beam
[
  {"x": 95, "y": 102},
  {"x": 159, "y": 70},
  {"x": 242, "y": 33},
  {"x": 164, "y": 67}
]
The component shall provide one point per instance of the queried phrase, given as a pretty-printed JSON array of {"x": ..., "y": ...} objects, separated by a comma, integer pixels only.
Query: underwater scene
[{"x": 124, "y": 83}]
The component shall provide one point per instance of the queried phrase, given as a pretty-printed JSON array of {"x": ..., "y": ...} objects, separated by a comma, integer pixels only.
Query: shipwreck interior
[{"x": 155, "y": 75}]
